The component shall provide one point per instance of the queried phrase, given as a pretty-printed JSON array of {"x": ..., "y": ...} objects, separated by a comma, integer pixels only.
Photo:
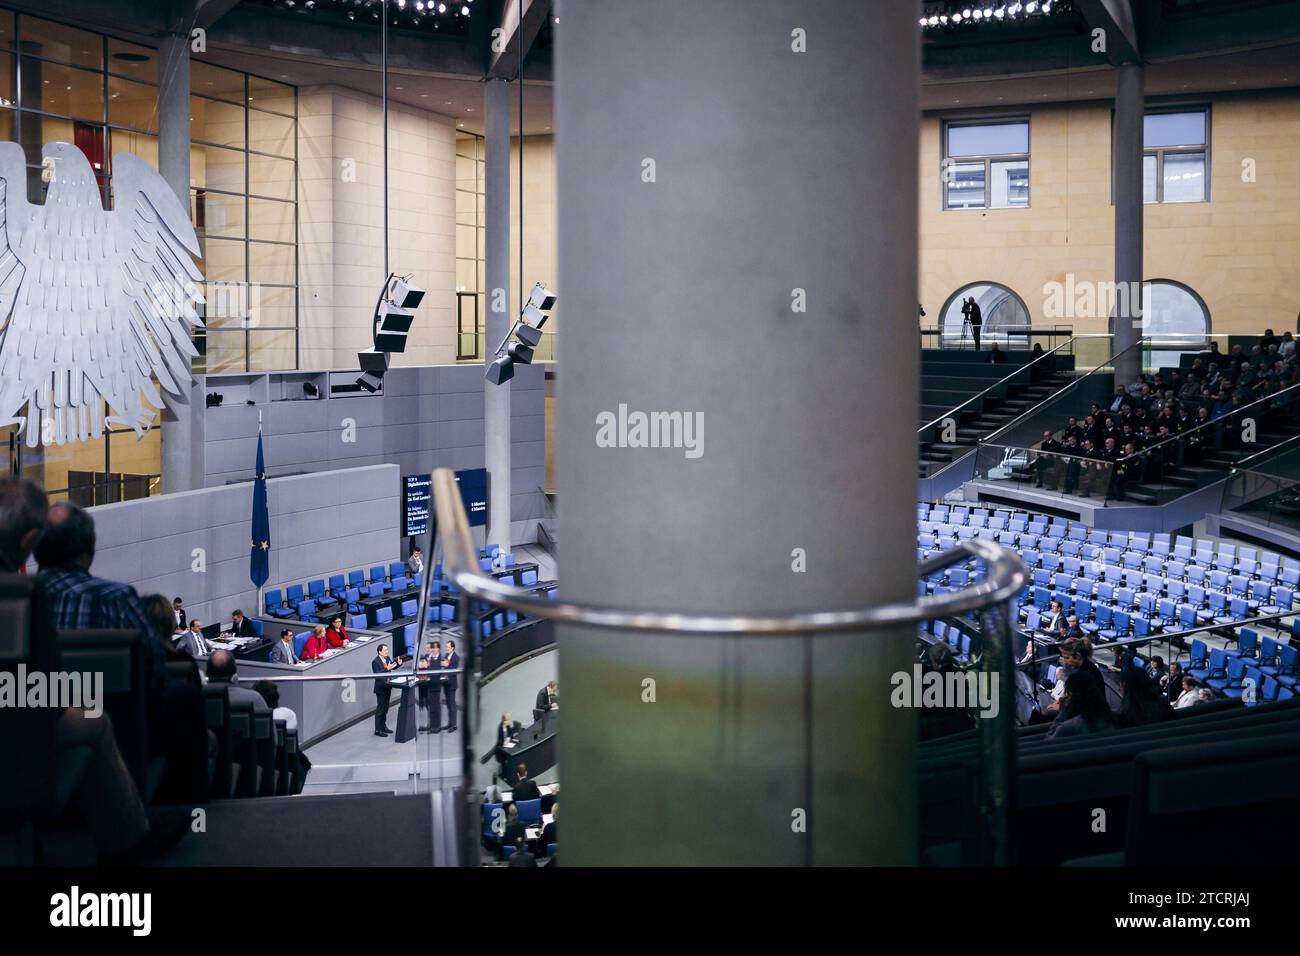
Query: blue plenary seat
[
  {"x": 337, "y": 586},
  {"x": 306, "y": 609},
  {"x": 396, "y": 569},
  {"x": 356, "y": 579},
  {"x": 383, "y": 616},
  {"x": 1217, "y": 673},
  {"x": 528, "y": 577},
  {"x": 530, "y": 811},
  {"x": 352, "y": 597},
  {"x": 316, "y": 589},
  {"x": 299, "y": 642},
  {"x": 293, "y": 595},
  {"x": 358, "y": 621},
  {"x": 410, "y": 637},
  {"x": 410, "y": 607},
  {"x": 275, "y": 603}
]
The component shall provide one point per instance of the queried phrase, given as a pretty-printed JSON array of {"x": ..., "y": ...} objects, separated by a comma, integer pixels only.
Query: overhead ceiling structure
[{"x": 1006, "y": 56}]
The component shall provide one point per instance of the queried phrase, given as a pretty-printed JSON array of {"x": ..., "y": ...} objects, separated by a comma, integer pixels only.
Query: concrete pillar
[
  {"x": 737, "y": 246},
  {"x": 496, "y": 406},
  {"x": 1127, "y": 164},
  {"x": 182, "y": 418}
]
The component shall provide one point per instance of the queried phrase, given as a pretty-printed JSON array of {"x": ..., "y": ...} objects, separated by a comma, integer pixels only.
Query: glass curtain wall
[{"x": 62, "y": 84}]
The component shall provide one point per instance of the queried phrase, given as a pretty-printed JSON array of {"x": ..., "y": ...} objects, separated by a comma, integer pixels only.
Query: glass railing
[
  {"x": 944, "y": 427},
  {"x": 1154, "y": 469},
  {"x": 934, "y": 337},
  {"x": 1093, "y": 389},
  {"x": 1265, "y": 488}
]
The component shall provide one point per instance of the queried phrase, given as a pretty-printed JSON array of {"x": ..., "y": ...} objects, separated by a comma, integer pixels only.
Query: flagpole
[{"x": 261, "y": 602}]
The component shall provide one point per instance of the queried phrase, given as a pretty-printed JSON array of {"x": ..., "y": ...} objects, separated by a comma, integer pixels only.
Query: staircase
[{"x": 950, "y": 379}]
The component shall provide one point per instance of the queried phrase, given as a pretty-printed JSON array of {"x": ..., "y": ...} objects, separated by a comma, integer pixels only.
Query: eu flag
[{"x": 259, "y": 558}]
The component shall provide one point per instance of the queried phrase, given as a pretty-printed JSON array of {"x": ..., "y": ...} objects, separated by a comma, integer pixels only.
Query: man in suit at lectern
[
  {"x": 546, "y": 698},
  {"x": 450, "y": 663},
  {"x": 382, "y": 664}
]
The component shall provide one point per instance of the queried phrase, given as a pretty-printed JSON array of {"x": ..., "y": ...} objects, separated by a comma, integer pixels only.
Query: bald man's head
[
  {"x": 221, "y": 666},
  {"x": 69, "y": 539}
]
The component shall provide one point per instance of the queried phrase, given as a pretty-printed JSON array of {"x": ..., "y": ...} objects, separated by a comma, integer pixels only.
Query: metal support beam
[
  {"x": 1116, "y": 19},
  {"x": 518, "y": 30}
]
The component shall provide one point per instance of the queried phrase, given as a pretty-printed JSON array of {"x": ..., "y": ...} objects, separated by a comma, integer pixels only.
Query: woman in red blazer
[
  {"x": 316, "y": 645},
  {"x": 337, "y": 635}
]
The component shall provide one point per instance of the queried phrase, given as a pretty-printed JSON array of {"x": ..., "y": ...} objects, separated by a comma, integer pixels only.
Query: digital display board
[
  {"x": 474, "y": 492},
  {"x": 417, "y": 500}
]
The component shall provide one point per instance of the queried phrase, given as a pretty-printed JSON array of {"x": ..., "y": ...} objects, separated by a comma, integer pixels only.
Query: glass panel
[
  {"x": 993, "y": 139},
  {"x": 225, "y": 351},
  {"x": 132, "y": 456},
  {"x": 465, "y": 275},
  {"x": 6, "y": 124},
  {"x": 1149, "y": 179},
  {"x": 129, "y": 59},
  {"x": 215, "y": 81},
  {"x": 7, "y": 97},
  {"x": 271, "y": 263},
  {"x": 1174, "y": 129},
  {"x": 465, "y": 172},
  {"x": 269, "y": 133},
  {"x": 223, "y": 259},
  {"x": 137, "y": 144},
  {"x": 466, "y": 208},
  {"x": 216, "y": 168},
  {"x": 212, "y": 121},
  {"x": 269, "y": 351},
  {"x": 6, "y": 29},
  {"x": 228, "y": 305},
  {"x": 218, "y": 214},
  {"x": 271, "y": 177},
  {"x": 1184, "y": 177},
  {"x": 273, "y": 307},
  {"x": 965, "y": 185},
  {"x": 270, "y": 95},
  {"x": 132, "y": 104},
  {"x": 270, "y": 220},
  {"x": 58, "y": 467},
  {"x": 1170, "y": 310},
  {"x": 57, "y": 42},
  {"x": 55, "y": 88},
  {"x": 1010, "y": 183}
]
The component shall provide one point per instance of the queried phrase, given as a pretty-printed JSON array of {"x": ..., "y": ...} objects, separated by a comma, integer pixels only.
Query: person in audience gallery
[
  {"x": 1172, "y": 682},
  {"x": 996, "y": 356},
  {"x": 282, "y": 651},
  {"x": 521, "y": 856},
  {"x": 65, "y": 553},
  {"x": 102, "y": 791},
  {"x": 159, "y": 611},
  {"x": 382, "y": 664},
  {"x": 193, "y": 642},
  {"x": 1141, "y": 701},
  {"x": 1191, "y": 695},
  {"x": 450, "y": 664},
  {"x": 316, "y": 645},
  {"x": 222, "y": 669},
  {"x": 336, "y": 635},
  {"x": 524, "y": 789},
  {"x": 551, "y": 832},
  {"x": 1083, "y": 708}
]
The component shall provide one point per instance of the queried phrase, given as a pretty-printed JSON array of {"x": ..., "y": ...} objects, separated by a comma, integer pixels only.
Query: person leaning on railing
[{"x": 1046, "y": 465}]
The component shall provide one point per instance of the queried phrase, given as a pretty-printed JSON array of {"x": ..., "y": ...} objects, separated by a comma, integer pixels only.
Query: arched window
[
  {"x": 1003, "y": 312},
  {"x": 1175, "y": 319}
]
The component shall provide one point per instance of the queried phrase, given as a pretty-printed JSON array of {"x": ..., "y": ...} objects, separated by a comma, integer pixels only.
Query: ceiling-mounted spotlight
[
  {"x": 528, "y": 330},
  {"x": 394, "y": 313}
]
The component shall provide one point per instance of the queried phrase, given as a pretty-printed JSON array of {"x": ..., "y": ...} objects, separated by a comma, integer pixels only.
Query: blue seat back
[
  {"x": 294, "y": 594},
  {"x": 356, "y": 579},
  {"x": 383, "y": 616},
  {"x": 530, "y": 811},
  {"x": 274, "y": 599},
  {"x": 409, "y": 607}
]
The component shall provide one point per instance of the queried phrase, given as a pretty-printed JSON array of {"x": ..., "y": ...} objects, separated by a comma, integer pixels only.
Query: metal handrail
[
  {"x": 1140, "y": 343},
  {"x": 1006, "y": 576},
  {"x": 956, "y": 411},
  {"x": 1049, "y": 454}
]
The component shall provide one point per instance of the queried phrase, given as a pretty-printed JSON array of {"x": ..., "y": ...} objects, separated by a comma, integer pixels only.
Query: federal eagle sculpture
[{"x": 94, "y": 304}]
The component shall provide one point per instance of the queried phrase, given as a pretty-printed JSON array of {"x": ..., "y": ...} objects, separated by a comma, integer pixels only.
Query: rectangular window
[
  {"x": 986, "y": 165},
  {"x": 1175, "y": 159}
]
